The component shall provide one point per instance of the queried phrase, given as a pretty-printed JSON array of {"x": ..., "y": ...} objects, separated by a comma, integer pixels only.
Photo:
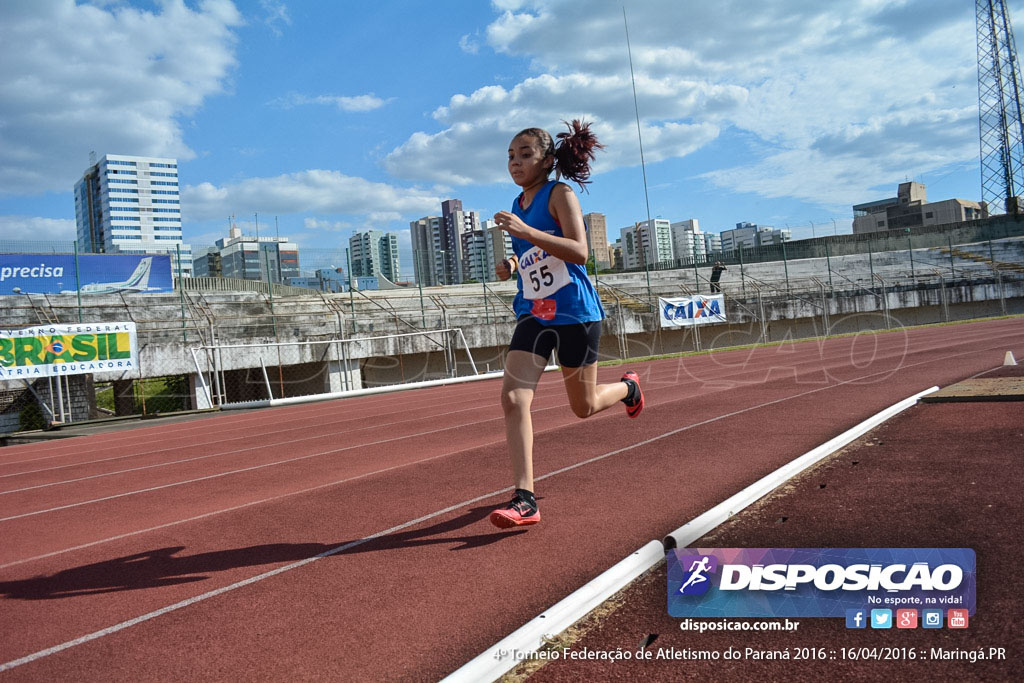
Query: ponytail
[{"x": 573, "y": 153}]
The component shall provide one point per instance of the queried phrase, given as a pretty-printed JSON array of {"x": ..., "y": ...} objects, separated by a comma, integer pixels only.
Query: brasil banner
[
  {"x": 76, "y": 349},
  {"x": 692, "y": 310}
]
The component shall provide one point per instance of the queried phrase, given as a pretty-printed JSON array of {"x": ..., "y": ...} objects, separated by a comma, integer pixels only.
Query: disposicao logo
[{"x": 817, "y": 582}]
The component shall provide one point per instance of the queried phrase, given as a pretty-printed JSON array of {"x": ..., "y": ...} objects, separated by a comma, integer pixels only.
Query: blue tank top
[{"x": 554, "y": 296}]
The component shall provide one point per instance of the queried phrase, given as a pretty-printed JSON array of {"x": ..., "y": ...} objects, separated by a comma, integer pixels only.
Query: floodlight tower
[{"x": 1001, "y": 126}]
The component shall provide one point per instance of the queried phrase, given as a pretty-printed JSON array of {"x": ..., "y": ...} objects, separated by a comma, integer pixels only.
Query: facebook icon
[{"x": 856, "y": 618}]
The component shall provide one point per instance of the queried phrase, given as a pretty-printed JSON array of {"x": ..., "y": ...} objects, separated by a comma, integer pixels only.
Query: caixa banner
[
  {"x": 817, "y": 582},
  {"x": 108, "y": 350},
  {"x": 692, "y": 310}
]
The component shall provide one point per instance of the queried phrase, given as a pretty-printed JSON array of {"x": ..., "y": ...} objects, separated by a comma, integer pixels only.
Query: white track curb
[
  {"x": 391, "y": 388},
  {"x": 699, "y": 526},
  {"x": 504, "y": 655}
]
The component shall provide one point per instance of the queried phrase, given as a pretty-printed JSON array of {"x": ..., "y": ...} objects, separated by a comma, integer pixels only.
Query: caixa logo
[
  {"x": 816, "y": 581},
  {"x": 697, "y": 307}
]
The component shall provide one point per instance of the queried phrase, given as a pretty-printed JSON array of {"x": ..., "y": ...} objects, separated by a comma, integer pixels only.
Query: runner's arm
[{"x": 565, "y": 208}]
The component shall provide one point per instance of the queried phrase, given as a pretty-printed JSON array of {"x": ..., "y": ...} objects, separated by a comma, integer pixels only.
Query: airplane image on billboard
[
  {"x": 138, "y": 281},
  {"x": 95, "y": 274}
]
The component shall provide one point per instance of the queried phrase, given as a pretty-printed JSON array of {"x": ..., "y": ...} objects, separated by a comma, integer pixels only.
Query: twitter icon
[{"x": 881, "y": 618}]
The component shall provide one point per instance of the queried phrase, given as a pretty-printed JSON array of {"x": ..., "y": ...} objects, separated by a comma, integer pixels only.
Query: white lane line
[
  {"x": 243, "y": 421},
  {"x": 6, "y": 666},
  {"x": 744, "y": 370},
  {"x": 769, "y": 351},
  {"x": 193, "y": 444},
  {"x": 342, "y": 481},
  {"x": 223, "y": 511},
  {"x": 264, "y": 465},
  {"x": 375, "y": 427},
  {"x": 217, "y": 512},
  {"x": 334, "y": 551},
  {"x": 229, "y": 423},
  {"x": 224, "y": 474},
  {"x": 885, "y": 372}
]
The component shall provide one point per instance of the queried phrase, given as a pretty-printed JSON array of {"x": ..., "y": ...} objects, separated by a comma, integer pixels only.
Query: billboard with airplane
[{"x": 97, "y": 273}]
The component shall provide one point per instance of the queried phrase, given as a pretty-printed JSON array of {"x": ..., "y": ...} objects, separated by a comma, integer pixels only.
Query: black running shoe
[{"x": 635, "y": 398}]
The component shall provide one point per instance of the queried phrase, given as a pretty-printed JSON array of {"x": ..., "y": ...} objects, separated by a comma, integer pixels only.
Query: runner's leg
[
  {"x": 586, "y": 396},
  {"x": 522, "y": 372}
]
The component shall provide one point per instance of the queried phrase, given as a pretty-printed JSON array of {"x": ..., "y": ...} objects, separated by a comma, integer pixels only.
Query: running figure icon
[{"x": 697, "y": 571}]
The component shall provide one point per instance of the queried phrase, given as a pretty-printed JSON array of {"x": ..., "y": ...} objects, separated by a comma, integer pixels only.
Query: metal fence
[
  {"x": 382, "y": 326},
  {"x": 831, "y": 246}
]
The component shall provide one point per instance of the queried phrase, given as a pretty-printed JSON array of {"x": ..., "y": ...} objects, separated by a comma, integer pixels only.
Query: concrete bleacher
[
  {"x": 303, "y": 329},
  {"x": 847, "y": 272},
  {"x": 197, "y": 317}
]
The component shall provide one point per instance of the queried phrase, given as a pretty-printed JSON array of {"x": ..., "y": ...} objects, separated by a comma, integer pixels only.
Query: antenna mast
[{"x": 1000, "y": 123}]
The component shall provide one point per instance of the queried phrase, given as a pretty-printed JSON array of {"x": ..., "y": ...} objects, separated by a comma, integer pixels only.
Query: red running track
[{"x": 349, "y": 540}]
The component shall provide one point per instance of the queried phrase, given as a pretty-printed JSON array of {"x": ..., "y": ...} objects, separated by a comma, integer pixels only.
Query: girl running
[{"x": 556, "y": 305}]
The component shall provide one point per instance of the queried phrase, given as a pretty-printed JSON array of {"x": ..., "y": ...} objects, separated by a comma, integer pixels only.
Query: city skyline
[{"x": 340, "y": 120}]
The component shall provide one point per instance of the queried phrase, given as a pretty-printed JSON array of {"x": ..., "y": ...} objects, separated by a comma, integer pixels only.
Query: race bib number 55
[{"x": 543, "y": 274}]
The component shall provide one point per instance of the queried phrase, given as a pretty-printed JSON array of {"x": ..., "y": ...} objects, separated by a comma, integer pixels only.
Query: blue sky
[{"x": 343, "y": 116}]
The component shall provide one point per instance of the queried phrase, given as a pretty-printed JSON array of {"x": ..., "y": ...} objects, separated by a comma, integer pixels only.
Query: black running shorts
[{"x": 576, "y": 344}]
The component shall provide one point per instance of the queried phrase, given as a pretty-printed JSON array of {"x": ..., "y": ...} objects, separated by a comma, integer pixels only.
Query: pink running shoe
[
  {"x": 635, "y": 399},
  {"x": 518, "y": 512}
]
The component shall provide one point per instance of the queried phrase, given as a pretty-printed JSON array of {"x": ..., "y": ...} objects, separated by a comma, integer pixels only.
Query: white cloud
[
  {"x": 469, "y": 44},
  {"x": 830, "y": 99},
  {"x": 861, "y": 156},
  {"x": 28, "y": 228},
  {"x": 314, "y": 191},
  {"x": 472, "y": 148},
  {"x": 275, "y": 14},
  {"x": 80, "y": 78},
  {"x": 357, "y": 103},
  {"x": 319, "y": 224}
]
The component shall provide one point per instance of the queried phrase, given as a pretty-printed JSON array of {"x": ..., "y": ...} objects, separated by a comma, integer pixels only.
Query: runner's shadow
[
  {"x": 435, "y": 534},
  {"x": 165, "y": 567},
  {"x": 151, "y": 569}
]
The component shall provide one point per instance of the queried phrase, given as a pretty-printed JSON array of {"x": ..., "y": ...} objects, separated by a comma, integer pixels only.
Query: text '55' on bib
[{"x": 542, "y": 273}]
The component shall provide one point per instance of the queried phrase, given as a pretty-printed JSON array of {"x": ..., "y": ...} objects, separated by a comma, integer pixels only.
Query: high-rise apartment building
[
  {"x": 373, "y": 254},
  {"x": 426, "y": 250},
  {"x": 749, "y": 235},
  {"x": 615, "y": 253},
  {"x": 455, "y": 222},
  {"x": 482, "y": 250},
  {"x": 647, "y": 243},
  {"x": 438, "y": 246},
  {"x": 499, "y": 243},
  {"x": 597, "y": 238},
  {"x": 130, "y": 205},
  {"x": 477, "y": 259},
  {"x": 688, "y": 241},
  {"x": 712, "y": 243},
  {"x": 744, "y": 234}
]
